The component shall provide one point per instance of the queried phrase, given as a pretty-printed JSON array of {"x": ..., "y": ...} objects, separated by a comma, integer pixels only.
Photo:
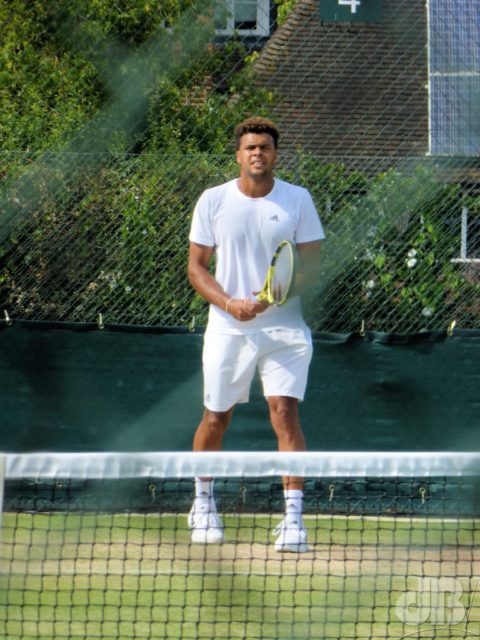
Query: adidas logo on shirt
[{"x": 275, "y": 218}]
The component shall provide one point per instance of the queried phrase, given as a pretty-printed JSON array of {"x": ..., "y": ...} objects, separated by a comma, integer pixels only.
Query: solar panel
[{"x": 454, "y": 76}]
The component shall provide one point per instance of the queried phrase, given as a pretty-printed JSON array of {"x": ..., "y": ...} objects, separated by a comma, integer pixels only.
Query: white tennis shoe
[
  {"x": 291, "y": 536},
  {"x": 206, "y": 526}
]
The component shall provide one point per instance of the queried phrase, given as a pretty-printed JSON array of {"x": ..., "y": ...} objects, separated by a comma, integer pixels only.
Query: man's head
[{"x": 257, "y": 124}]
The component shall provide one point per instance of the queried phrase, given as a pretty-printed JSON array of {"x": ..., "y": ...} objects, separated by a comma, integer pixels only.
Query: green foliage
[
  {"x": 117, "y": 245},
  {"x": 80, "y": 223},
  {"x": 146, "y": 257},
  {"x": 390, "y": 252},
  {"x": 284, "y": 7},
  {"x": 199, "y": 111},
  {"x": 64, "y": 62},
  {"x": 333, "y": 187},
  {"x": 44, "y": 96}
]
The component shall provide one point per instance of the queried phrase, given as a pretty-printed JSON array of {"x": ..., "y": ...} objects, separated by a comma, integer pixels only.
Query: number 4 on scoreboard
[{"x": 353, "y": 4}]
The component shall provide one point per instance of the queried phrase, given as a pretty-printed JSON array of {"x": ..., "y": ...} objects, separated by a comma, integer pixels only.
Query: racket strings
[{"x": 282, "y": 274}]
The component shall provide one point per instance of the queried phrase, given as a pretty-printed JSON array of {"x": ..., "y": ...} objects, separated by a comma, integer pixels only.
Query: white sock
[
  {"x": 204, "y": 500},
  {"x": 294, "y": 504}
]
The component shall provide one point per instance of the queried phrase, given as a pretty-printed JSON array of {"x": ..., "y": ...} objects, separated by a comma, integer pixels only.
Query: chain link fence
[{"x": 113, "y": 127}]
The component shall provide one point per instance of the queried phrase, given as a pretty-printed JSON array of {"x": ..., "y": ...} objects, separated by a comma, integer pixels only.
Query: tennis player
[{"x": 240, "y": 223}]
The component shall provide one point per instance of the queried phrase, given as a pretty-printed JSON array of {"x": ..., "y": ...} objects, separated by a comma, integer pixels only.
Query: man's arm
[
  {"x": 205, "y": 284},
  {"x": 308, "y": 270},
  {"x": 200, "y": 277}
]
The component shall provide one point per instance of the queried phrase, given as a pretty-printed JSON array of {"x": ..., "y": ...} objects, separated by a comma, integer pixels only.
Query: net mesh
[{"x": 99, "y": 547}]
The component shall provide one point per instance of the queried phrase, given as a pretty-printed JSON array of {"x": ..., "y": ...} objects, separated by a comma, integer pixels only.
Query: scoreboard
[{"x": 350, "y": 10}]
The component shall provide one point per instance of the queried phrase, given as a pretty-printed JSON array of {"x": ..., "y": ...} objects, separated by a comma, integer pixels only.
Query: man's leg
[
  {"x": 210, "y": 431},
  {"x": 229, "y": 363},
  {"x": 286, "y": 424},
  {"x": 203, "y": 520}
]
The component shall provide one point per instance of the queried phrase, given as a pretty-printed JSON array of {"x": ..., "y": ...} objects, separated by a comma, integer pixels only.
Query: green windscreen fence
[{"x": 78, "y": 387}]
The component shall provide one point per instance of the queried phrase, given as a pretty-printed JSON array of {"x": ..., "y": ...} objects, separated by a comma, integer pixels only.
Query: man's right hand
[{"x": 245, "y": 309}]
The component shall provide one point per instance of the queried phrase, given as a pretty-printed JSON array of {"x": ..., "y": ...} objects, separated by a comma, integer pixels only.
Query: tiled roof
[{"x": 350, "y": 88}]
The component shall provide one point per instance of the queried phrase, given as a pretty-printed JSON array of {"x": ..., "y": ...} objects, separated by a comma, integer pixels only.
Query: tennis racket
[{"x": 280, "y": 275}]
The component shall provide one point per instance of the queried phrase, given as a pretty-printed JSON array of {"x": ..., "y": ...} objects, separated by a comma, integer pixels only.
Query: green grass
[{"x": 124, "y": 576}]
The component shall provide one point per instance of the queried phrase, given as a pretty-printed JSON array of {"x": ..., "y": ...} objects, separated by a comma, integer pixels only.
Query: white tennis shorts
[{"x": 282, "y": 357}]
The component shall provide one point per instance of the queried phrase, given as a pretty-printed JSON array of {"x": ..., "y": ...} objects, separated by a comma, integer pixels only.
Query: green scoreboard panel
[{"x": 350, "y": 10}]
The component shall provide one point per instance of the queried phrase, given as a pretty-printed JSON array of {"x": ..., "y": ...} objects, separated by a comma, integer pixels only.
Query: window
[
  {"x": 247, "y": 17},
  {"x": 469, "y": 236},
  {"x": 454, "y": 77}
]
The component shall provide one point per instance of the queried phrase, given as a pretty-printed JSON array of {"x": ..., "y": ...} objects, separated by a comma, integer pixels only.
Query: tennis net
[{"x": 98, "y": 546}]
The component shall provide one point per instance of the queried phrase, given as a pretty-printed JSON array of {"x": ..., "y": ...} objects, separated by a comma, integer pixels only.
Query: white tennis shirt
[{"x": 244, "y": 233}]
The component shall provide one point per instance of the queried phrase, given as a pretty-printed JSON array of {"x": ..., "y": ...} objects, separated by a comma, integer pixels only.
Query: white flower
[
  {"x": 370, "y": 284},
  {"x": 128, "y": 289},
  {"x": 412, "y": 253},
  {"x": 427, "y": 312},
  {"x": 411, "y": 262}
]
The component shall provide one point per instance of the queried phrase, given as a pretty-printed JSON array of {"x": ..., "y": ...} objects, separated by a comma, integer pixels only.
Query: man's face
[{"x": 256, "y": 155}]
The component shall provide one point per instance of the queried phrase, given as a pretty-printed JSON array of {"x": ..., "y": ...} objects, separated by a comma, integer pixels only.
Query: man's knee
[
  {"x": 286, "y": 423},
  {"x": 284, "y": 410},
  {"x": 216, "y": 421}
]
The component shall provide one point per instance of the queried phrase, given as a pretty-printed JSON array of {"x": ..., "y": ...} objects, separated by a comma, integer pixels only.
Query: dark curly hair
[{"x": 257, "y": 124}]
